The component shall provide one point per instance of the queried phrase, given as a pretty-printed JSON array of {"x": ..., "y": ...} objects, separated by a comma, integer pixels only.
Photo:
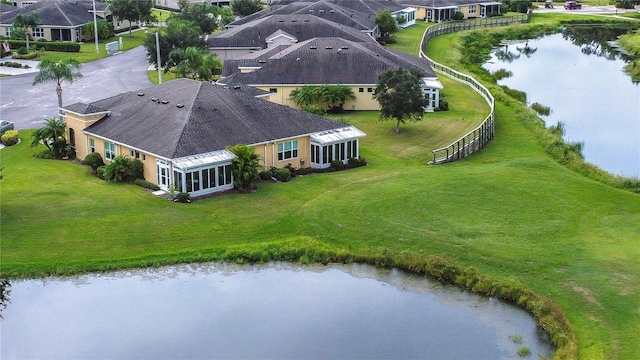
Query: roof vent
[
  {"x": 344, "y": 47},
  {"x": 332, "y": 11},
  {"x": 154, "y": 99},
  {"x": 140, "y": 94},
  {"x": 280, "y": 20},
  {"x": 312, "y": 11},
  {"x": 236, "y": 86},
  {"x": 165, "y": 101},
  {"x": 294, "y": 20},
  {"x": 313, "y": 47},
  {"x": 180, "y": 106},
  {"x": 262, "y": 61},
  {"x": 306, "y": 20},
  {"x": 321, "y": 11},
  {"x": 329, "y": 47}
]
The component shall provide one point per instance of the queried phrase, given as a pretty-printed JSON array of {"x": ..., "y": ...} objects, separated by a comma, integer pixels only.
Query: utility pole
[
  {"x": 95, "y": 27},
  {"x": 158, "y": 62}
]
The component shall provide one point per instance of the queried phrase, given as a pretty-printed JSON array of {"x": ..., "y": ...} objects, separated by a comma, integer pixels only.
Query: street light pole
[
  {"x": 95, "y": 27},
  {"x": 158, "y": 62}
]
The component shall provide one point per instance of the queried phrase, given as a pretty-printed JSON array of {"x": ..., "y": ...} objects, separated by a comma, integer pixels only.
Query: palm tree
[
  {"x": 25, "y": 22},
  {"x": 58, "y": 71},
  {"x": 195, "y": 63},
  {"x": 52, "y": 133},
  {"x": 305, "y": 96},
  {"x": 246, "y": 166},
  {"x": 336, "y": 95}
]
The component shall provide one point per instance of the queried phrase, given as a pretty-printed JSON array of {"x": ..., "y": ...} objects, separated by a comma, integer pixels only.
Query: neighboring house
[
  {"x": 444, "y": 10},
  {"x": 173, "y": 4},
  {"x": 285, "y": 68},
  {"x": 274, "y": 30},
  {"x": 179, "y": 130},
  {"x": 60, "y": 20}
]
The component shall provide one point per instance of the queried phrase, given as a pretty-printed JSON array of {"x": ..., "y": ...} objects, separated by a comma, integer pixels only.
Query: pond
[
  {"x": 277, "y": 310},
  {"x": 580, "y": 75}
]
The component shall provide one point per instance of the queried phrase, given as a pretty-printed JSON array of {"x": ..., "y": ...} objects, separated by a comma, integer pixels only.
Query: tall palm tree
[
  {"x": 58, "y": 71},
  {"x": 25, "y": 22},
  {"x": 246, "y": 166}
]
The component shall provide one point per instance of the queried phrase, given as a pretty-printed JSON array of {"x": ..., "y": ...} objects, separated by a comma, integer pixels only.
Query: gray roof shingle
[
  {"x": 54, "y": 13},
  {"x": 213, "y": 117},
  {"x": 321, "y": 61}
]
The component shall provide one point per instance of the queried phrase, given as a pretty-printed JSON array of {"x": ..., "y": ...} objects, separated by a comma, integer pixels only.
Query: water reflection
[
  {"x": 598, "y": 40},
  {"x": 591, "y": 95},
  {"x": 5, "y": 290},
  {"x": 272, "y": 311}
]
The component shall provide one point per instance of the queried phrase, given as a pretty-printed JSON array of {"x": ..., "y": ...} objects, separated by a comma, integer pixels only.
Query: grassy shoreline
[{"x": 509, "y": 215}]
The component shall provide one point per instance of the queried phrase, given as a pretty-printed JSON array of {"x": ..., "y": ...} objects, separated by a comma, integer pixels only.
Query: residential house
[
  {"x": 274, "y": 30},
  {"x": 326, "y": 61},
  {"x": 60, "y": 20},
  {"x": 444, "y": 10},
  {"x": 173, "y": 4},
  {"x": 179, "y": 130}
]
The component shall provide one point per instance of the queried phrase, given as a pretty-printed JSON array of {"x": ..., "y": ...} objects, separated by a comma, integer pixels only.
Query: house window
[
  {"x": 92, "y": 145},
  {"x": 273, "y": 90},
  {"x": 472, "y": 9},
  {"x": 288, "y": 150},
  {"x": 369, "y": 90},
  {"x": 361, "y": 90},
  {"x": 144, "y": 157},
  {"x": 224, "y": 175},
  {"x": 177, "y": 178},
  {"x": 109, "y": 150},
  {"x": 7, "y": 31},
  {"x": 38, "y": 32}
]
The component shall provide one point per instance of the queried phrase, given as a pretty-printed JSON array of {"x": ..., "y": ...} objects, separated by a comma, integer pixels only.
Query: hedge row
[{"x": 46, "y": 45}]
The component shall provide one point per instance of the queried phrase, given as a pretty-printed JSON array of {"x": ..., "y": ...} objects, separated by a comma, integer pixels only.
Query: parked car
[
  {"x": 571, "y": 5},
  {"x": 5, "y": 125}
]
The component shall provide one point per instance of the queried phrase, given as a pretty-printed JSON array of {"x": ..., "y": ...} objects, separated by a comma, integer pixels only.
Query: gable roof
[
  {"x": 54, "y": 13},
  {"x": 300, "y": 26},
  {"x": 444, "y": 3},
  {"x": 212, "y": 117},
  {"x": 306, "y": 63}
]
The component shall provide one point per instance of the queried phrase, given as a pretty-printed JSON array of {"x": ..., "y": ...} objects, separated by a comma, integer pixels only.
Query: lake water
[
  {"x": 278, "y": 310},
  {"x": 587, "y": 89}
]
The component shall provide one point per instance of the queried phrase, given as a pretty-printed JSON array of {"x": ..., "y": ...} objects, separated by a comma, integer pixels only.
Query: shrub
[
  {"x": 145, "y": 184},
  {"x": 541, "y": 109},
  {"x": 458, "y": 16},
  {"x": 100, "y": 172},
  {"x": 282, "y": 174},
  {"x": 94, "y": 160},
  {"x": 337, "y": 165},
  {"x": 183, "y": 197},
  {"x": 26, "y": 56},
  {"x": 137, "y": 169},
  {"x": 10, "y": 137},
  {"x": 60, "y": 149},
  {"x": 353, "y": 163},
  {"x": 22, "y": 50},
  {"x": 524, "y": 351},
  {"x": 501, "y": 74},
  {"x": 119, "y": 169},
  {"x": 292, "y": 170},
  {"x": 265, "y": 175},
  {"x": 444, "y": 106}
]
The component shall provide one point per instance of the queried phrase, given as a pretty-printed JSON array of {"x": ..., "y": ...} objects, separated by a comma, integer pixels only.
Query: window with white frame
[
  {"x": 472, "y": 9},
  {"x": 109, "y": 150},
  {"x": 7, "y": 31},
  {"x": 37, "y": 32},
  {"x": 92, "y": 145},
  {"x": 288, "y": 150}
]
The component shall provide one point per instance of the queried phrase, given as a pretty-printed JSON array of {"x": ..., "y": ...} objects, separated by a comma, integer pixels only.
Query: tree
[
  {"x": 305, "y": 96},
  {"x": 203, "y": 14},
  {"x": 52, "y": 135},
  {"x": 386, "y": 24},
  {"x": 120, "y": 169},
  {"x": 105, "y": 29},
  {"x": 245, "y": 7},
  {"x": 178, "y": 33},
  {"x": 335, "y": 96},
  {"x": 23, "y": 23},
  {"x": 245, "y": 166},
  {"x": 132, "y": 10},
  {"x": 58, "y": 71},
  {"x": 400, "y": 96},
  {"x": 195, "y": 63}
]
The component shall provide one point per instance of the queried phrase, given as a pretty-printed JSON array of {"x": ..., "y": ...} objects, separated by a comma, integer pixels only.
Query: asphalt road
[{"x": 28, "y": 106}]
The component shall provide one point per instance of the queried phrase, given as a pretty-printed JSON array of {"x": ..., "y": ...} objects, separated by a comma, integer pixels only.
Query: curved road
[{"x": 28, "y": 106}]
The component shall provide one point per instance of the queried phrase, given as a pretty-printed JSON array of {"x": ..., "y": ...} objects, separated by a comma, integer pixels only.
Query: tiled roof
[
  {"x": 301, "y": 26},
  {"x": 306, "y": 63},
  {"x": 54, "y": 13},
  {"x": 213, "y": 117}
]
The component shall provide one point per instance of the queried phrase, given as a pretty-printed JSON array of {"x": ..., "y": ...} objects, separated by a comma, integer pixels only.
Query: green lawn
[
  {"x": 88, "y": 49},
  {"x": 510, "y": 211}
]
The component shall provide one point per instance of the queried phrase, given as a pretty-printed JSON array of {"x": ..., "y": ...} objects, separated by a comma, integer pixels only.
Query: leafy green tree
[
  {"x": 225, "y": 16},
  {"x": 58, "y": 71},
  {"x": 203, "y": 14},
  {"x": 94, "y": 160},
  {"x": 132, "y": 10},
  {"x": 105, "y": 29},
  {"x": 51, "y": 134},
  {"x": 120, "y": 169},
  {"x": 195, "y": 63},
  {"x": 245, "y": 7},
  {"x": 386, "y": 24},
  {"x": 335, "y": 96},
  {"x": 178, "y": 33},
  {"x": 400, "y": 96},
  {"x": 245, "y": 167},
  {"x": 305, "y": 96},
  {"x": 23, "y": 23}
]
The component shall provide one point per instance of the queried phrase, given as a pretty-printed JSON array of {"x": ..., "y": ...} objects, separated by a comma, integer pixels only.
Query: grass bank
[
  {"x": 509, "y": 221},
  {"x": 88, "y": 49}
]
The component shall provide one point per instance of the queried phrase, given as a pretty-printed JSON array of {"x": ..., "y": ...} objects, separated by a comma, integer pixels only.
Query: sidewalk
[{"x": 7, "y": 70}]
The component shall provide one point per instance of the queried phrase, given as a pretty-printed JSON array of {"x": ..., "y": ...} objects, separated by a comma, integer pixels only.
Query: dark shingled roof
[
  {"x": 301, "y": 26},
  {"x": 84, "y": 109},
  {"x": 7, "y": 7},
  {"x": 306, "y": 63},
  {"x": 213, "y": 117},
  {"x": 54, "y": 13},
  {"x": 323, "y": 9}
]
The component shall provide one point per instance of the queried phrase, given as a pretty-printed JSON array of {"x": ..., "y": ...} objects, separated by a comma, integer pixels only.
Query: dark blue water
[
  {"x": 590, "y": 94},
  {"x": 273, "y": 311}
]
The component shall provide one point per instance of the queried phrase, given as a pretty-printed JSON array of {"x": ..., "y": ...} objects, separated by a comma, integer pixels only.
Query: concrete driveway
[{"x": 28, "y": 106}]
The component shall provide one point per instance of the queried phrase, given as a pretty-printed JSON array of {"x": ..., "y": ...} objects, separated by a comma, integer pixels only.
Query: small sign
[{"x": 111, "y": 47}]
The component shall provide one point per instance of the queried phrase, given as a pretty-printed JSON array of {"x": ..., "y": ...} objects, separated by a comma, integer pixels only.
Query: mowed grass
[
  {"x": 510, "y": 211},
  {"x": 88, "y": 49}
]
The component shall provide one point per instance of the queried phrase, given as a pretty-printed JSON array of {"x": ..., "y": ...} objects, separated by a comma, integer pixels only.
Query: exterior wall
[
  {"x": 364, "y": 101},
  {"x": 421, "y": 13},
  {"x": 269, "y": 154},
  {"x": 78, "y": 124}
]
